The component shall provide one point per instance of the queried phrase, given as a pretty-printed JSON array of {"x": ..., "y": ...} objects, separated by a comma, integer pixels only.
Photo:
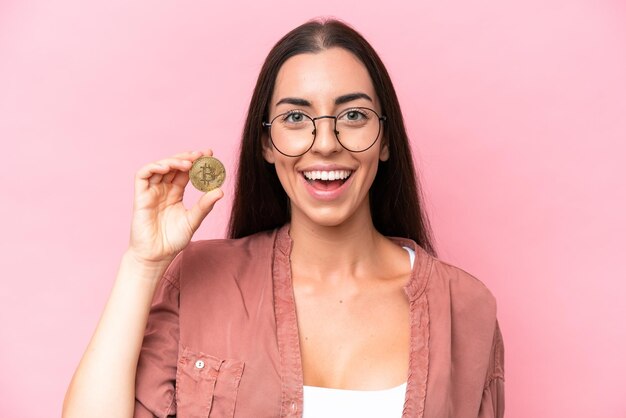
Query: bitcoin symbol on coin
[{"x": 207, "y": 173}]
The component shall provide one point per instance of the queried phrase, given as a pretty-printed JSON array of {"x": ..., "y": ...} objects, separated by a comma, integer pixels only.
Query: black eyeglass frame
[{"x": 314, "y": 133}]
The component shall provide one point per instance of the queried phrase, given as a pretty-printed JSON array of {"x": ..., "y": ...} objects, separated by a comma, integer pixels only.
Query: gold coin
[{"x": 207, "y": 173}]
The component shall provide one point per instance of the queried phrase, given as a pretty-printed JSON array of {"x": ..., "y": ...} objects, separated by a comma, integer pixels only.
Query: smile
[
  {"x": 327, "y": 185},
  {"x": 327, "y": 175}
]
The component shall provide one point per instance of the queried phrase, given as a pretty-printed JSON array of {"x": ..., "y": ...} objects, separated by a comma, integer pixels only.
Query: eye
[
  {"x": 355, "y": 115},
  {"x": 294, "y": 117}
]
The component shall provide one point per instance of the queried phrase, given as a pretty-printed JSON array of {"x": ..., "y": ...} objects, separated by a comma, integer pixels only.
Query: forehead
[{"x": 321, "y": 77}]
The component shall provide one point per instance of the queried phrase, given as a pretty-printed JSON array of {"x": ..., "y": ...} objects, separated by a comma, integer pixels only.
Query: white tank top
[{"x": 333, "y": 403}]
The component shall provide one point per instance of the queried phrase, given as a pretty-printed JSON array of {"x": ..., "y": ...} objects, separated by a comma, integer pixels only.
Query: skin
[{"x": 353, "y": 313}]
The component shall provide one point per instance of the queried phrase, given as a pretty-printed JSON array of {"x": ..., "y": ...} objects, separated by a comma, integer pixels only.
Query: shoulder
[
  {"x": 463, "y": 285},
  {"x": 460, "y": 302},
  {"x": 218, "y": 248},
  {"x": 443, "y": 282},
  {"x": 222, "y": 257},
  {"x": 461, "y": 292}
]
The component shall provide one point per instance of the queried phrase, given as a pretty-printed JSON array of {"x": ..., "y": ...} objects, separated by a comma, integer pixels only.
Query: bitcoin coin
[{"x": 207, "y": 173}]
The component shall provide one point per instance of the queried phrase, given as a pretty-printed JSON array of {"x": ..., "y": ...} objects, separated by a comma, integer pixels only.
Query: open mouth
[{"x": 327, "y": 180}]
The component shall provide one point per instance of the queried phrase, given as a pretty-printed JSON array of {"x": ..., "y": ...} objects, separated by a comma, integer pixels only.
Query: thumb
[{"x": 203, "y": 206}]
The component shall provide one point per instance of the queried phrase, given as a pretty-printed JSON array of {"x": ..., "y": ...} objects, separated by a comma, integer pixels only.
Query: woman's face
[{"x": 325, "y": 83}]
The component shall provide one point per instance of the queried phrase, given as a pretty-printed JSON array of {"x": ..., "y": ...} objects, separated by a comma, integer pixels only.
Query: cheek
[
  {"x": 286, "y": 175},
  {"x": 371, "y": 177},
  {"x": 370, "y": 174}
]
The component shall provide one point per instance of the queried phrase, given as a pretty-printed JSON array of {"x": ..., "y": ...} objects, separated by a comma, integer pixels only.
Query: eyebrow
[
  {"x": 338, "y": 101},
  {"x": 351, "y": 97},
  {"x": 294, "y": 101}
]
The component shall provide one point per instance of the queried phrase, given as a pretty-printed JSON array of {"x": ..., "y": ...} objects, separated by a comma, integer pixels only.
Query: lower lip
[{"x": 326, "y": 195}]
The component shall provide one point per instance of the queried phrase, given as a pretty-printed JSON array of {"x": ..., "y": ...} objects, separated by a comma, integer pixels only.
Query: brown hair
[{"x": 260, "y": 202}]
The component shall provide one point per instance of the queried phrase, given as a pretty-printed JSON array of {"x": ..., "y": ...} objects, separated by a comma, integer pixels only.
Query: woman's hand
[{"x": 161, "y": 225}]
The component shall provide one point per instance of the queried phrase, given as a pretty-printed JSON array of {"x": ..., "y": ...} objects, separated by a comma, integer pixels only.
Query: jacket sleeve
[
  {"x": 155, "y": 382},
  {"x": 492, "y": 404}
]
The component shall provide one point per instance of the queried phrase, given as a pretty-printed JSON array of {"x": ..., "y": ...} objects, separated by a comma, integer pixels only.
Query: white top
[{"x": 330, "y": 403}]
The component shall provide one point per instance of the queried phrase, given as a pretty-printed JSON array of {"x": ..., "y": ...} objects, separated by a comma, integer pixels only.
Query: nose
[{"x": 325, "y": 136}]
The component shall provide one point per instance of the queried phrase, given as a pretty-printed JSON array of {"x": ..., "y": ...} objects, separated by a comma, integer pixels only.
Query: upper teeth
[{"x": 327, "y": 175}]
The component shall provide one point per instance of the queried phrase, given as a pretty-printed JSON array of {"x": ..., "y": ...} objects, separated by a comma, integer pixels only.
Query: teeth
[{"x": 327, "y": 175}]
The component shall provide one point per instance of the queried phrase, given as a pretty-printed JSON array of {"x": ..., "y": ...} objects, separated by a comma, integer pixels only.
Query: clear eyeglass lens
[
  {"x": 293, "y": 133},
  {"x": 357, "y": 128}
]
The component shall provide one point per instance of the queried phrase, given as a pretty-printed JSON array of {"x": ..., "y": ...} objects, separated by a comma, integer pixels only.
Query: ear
[
  {"x": 384, "y": 150},
  {"x": 268, "y": 150}
]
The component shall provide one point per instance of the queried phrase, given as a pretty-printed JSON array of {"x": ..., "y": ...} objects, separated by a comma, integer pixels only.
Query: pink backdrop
[{"x": 517, "y": 113}]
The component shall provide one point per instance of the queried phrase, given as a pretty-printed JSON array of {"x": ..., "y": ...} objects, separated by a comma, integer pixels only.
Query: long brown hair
[{"x": 260, "y": 202}]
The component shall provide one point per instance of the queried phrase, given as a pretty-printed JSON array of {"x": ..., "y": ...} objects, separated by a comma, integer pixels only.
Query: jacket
[{"x": 222, "y": 337}]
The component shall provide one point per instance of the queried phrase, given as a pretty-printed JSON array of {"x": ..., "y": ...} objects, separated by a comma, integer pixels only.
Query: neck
[{"x": 334, "y": 252}]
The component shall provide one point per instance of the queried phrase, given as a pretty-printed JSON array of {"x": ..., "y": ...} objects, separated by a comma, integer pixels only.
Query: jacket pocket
[{"x": 206, "y": 386}]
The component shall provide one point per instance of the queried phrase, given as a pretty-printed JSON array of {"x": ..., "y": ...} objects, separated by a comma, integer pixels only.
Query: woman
[{"x": 310, "y": 308}]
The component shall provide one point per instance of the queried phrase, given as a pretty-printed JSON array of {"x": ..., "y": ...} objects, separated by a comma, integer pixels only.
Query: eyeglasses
[{"x": 293, "y": 133}]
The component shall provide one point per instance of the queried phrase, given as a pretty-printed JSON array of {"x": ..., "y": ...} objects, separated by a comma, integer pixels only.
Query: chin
[
  {"x": 328, "y": 217},
  {"x": 328, "y": 222}
]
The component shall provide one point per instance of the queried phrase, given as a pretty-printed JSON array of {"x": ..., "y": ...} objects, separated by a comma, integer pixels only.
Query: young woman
[{"x": 327, "y": 299}]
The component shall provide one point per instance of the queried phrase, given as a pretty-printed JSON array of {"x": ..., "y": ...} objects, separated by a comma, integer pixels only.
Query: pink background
[{"x": 516, "y": 110}]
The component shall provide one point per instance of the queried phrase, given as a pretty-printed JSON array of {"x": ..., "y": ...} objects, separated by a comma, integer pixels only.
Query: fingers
[
  {"x": 180, "y": 178},
  {"x": 162, "y": 167},
  {"x": 193, "y": 155},
  {"x": 149, "y": 174},
  {"x": 201, "y": 209},
  {"x": 153, "y": 173},
  {"x": 177, "y": 176},
  {"x": 170, "y": 176},
  {"x": 169, "y": 170}
]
